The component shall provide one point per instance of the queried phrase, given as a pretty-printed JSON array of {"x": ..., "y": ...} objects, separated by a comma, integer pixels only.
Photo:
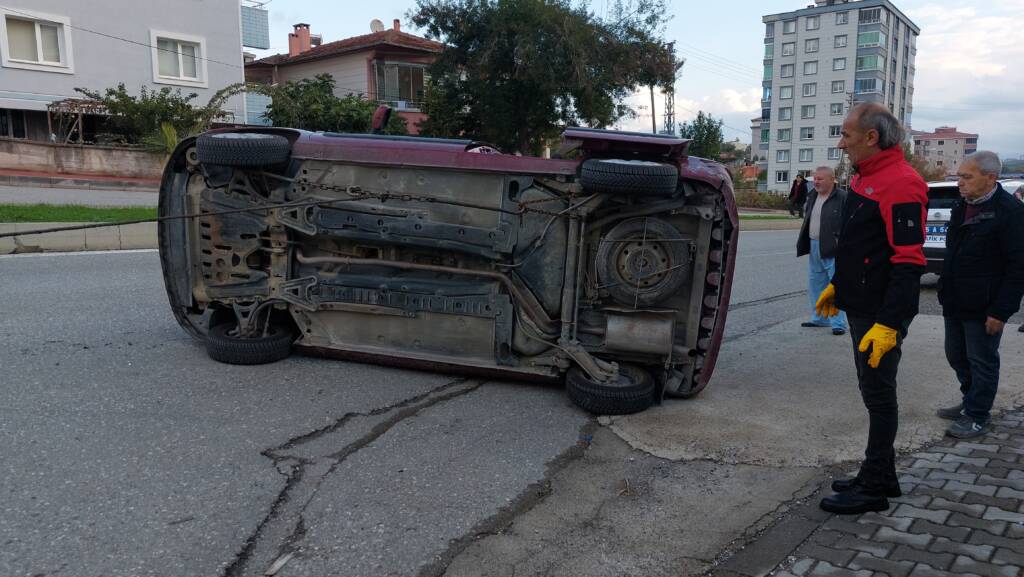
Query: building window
[
  {"x": 781, "y": 176},
  {"x": 35, "y": 41},
  {"x": 835, "y": 131},
  {"x": 178, "y": 59},
  {"x": 811, "y": 45},
  {"x": 835, "y": 109},
  {"x": 769, "y": 30},
  {"x": 786, "y": 113},
  {"x": 784, "y": 135},
  {"x": 810, "y": 68},
  {"x": 941, "y": 143},
  {"x": 869, "y": 39},
  {"x": 810, "y": 89},
  {"x": 769, "y": 51},
  {"x": 807, "y": 111},
  {"x": 838, "y": 86},
  {"x": 834, "y": 154},
  {"x": 786, "y": 71},
  {"x": 400, "y": 84},
  {"x": 12, "y": 123},
  {"x": 838, "y": 64},
  {"x": 813, "y": 23},
  {"x": 766, "y": 94},
  {"x": 842, "y": 18},
  {"x": 938, "y": 162},
  {"x": 807, "y": 133},
  {"x": 785, "y": 92},
  {"x": 766, "y": 134},
  {"x": 767, "y": 71},
  {"x": 870, "y": 16},
  {"x": 789, "y": 27},
  {"x": 788, "y": 48},
  {"x": 766, "y": 114},
  {"x": 971, "y": 141},
  {"x": 864, "y": 85},
  {"x": 868, "y": 63},
  {"x": 840, "y": 41},
  {"x": 806, "y": 155},
  {"x": 781, "y": 156}
]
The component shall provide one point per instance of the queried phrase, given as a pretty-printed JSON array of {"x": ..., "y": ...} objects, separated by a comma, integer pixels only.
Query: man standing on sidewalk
[
  {"x": 818, "y": 238},
  {"x": 879, "y": 263},
  {"x": 980, "y": 288}
]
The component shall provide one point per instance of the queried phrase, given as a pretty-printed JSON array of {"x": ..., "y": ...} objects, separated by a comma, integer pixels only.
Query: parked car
[
  {"x": 1014, "y": 187},
  {"x": 941, "y": 196},
  {"x": 611, "y": 269}
]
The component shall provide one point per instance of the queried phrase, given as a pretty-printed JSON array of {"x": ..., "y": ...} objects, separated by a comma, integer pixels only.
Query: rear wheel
[
  {"x": 638, "y": 177},
  {"x": 632, "y": 392},
  {"x": 226, "y": 345},
  {"x": 242, "y": 149}
]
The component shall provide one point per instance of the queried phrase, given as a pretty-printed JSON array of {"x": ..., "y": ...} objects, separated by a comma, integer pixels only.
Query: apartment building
[
  {"x": 945, "y": 148},
  {"x": 48, "y": 48},
  {"x": 820, "y": 60}
]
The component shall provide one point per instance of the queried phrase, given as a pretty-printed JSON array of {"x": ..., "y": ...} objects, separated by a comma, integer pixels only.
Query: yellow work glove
[
  {"x": 826, "y": 305},
  {"x": 881, "y": 339}
]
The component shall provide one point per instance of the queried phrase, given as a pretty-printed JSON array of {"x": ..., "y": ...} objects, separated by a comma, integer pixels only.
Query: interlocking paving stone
[
  {"x": 912, "y": 480},
  {"x": 925, "y": 571},
  {"x": 1000, "y": 472},
  {"x": 832, "y": 556},
  {"x": 914, "y": 500},
  {"x": 975, "y": 447},
  {"x": 945, "y": 505},
  {"x": 846, "y": 525},
  {"x": 947, "y": 450},
  {"x": 1008, "y": 493},
  {"x": 934, "y": 493},
  {"x": 893, "y": 536},
  {"x": 976, "y": 552},
  {"x": 1002, "y": 503},
  {"x": 993, "y": 527},
  {"x": 898, "y": 523},
  {"x": 1008, "y": 557},
  {"x": 923, "y": 464},
  {"x": 946, "y": 476},
  {"x": 976, "y": 461},
  {"x": 935, "y": 560},
  {"x": 1002, "y": 464},
  {"x": 997, "y": 514},
  {"x": 1011, "y": 483},
  {"x": 983, "y": 538},
  {"x": 876, "y": 548},
  {"x": 890, "y": 568},
  {"x": 802, "y": 566},
  {"x": 1015, "y": 532},
  {"x": 987, "y": 490},
  {"x": 968, "y": 565},
  {"x": 825, "y": 569},
  {"x": 955, "y": 533},
  {"x": 919, "y": 513}
]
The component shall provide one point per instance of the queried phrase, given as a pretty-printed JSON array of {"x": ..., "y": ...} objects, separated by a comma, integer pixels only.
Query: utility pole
[
  {"x": 669, "y": 126},
  {"x": 654, "y": 117}
]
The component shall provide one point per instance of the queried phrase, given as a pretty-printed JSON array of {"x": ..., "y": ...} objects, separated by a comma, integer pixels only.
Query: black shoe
[
  {"x": 1020, "y": 329},
  {"x": 968, "y": 428},
  {"x": 810, "y": 324},
  {"x": 951, "y": 413},
  {"x": 854, "y": 502},
  {"x": 844, "y": 485},
  {"x": 838, "y": 332}
]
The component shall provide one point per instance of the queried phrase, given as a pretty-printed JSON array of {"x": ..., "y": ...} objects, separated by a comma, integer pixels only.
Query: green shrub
[{"x": 753, "y": 199}]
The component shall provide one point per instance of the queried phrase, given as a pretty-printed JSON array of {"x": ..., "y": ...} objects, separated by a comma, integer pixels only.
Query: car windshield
[{"x": 943, "y": 196}]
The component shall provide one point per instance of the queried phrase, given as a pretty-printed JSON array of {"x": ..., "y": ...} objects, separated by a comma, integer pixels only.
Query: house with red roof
[
  {"x": 387, "y": 66},
  {"x": 945, "y": 148}
]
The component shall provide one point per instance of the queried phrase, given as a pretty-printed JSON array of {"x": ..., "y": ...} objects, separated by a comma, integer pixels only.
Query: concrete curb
[
  {"x": 65, "y": 182},
  {"x": 117, "y": 237},
  {"x": 769, "y": 224}
]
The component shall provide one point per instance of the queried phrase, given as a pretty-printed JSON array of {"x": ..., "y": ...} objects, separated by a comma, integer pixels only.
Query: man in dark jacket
[
  {"x": 980, "y": 288},
  {"x": 819, "y": 237},
  {"x": 879, "y": 263}
]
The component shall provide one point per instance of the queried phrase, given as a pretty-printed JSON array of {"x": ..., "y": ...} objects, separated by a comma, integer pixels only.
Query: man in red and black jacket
[{"x": 879, "y": 263}]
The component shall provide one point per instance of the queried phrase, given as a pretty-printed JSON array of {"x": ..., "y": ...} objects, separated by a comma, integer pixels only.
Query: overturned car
[{"x": 611, "y": 270}]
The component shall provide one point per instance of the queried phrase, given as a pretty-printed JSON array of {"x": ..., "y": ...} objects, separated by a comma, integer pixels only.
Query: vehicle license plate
[{"x": 936, "y": 233}]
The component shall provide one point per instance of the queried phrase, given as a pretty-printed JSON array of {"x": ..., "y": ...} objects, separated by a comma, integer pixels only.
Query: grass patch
[{"x": 73, "y": 213}]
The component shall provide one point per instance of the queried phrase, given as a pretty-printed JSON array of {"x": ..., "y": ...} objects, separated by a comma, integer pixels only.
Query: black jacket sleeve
[
  {"x": 902, "y": 296},
  {"x": 1007, "y": 301}
]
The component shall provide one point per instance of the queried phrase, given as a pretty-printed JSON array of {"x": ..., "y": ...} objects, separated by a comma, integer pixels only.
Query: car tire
[
  {"x": 623, "y": 274},
  {"x": 634, "y": 177},
  {"x": 242, "y": 149},
  {"x": 225, "y": 346},
  {"x": 631, "y": 393}
]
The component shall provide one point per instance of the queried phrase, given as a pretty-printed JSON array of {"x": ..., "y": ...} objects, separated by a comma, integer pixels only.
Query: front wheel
[
  {"x": 632, "y": 392},
  {"x": 224, "y": 344}
]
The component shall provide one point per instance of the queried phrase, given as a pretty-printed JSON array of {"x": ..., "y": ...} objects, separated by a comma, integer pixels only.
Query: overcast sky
[{"x": 970, "y": 58}]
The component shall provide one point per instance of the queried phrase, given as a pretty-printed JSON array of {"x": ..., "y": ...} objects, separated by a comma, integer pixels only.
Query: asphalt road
[{"x": 125, "y": 451}]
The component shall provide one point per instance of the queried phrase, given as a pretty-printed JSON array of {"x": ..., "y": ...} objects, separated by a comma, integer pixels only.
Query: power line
[{"x": 720, "y": 61}]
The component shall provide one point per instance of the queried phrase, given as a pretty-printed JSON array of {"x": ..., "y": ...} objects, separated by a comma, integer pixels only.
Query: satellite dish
[{"x": 376, "y": 25}]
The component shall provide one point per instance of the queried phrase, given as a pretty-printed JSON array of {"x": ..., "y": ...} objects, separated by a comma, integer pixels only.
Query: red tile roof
[
  {"x": 355, "y": 44},
  {"x": 942, "y": 133}
]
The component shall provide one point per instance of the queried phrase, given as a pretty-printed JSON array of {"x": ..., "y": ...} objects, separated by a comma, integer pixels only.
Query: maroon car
[{"x": 610, "y": 267}]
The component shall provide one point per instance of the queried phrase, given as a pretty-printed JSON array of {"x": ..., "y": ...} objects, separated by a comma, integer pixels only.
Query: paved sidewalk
[
  {"x": 77, "y": 196},
  {"x": 962, "y": 514}
]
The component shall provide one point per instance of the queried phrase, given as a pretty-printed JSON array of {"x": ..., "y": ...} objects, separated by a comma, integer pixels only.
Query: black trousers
[{"x": 878, "y": 391}]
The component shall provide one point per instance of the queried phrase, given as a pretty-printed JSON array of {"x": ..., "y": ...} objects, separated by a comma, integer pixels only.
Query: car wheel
[
  {"x": 224, "y": 344},
  {"x": 643, "y": 261},
  {"x": 242, "y": 149},
  {"x": 637, "y": 177},
  {"x": 632, "y": 392}
]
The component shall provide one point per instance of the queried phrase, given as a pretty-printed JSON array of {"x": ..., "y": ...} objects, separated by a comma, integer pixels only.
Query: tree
[
  {"x": 311, "y": 104},
  {"x": 706, "y": 135},
  {"x": 515, "y": 72},
  {"x": 928, "y": 172}
]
